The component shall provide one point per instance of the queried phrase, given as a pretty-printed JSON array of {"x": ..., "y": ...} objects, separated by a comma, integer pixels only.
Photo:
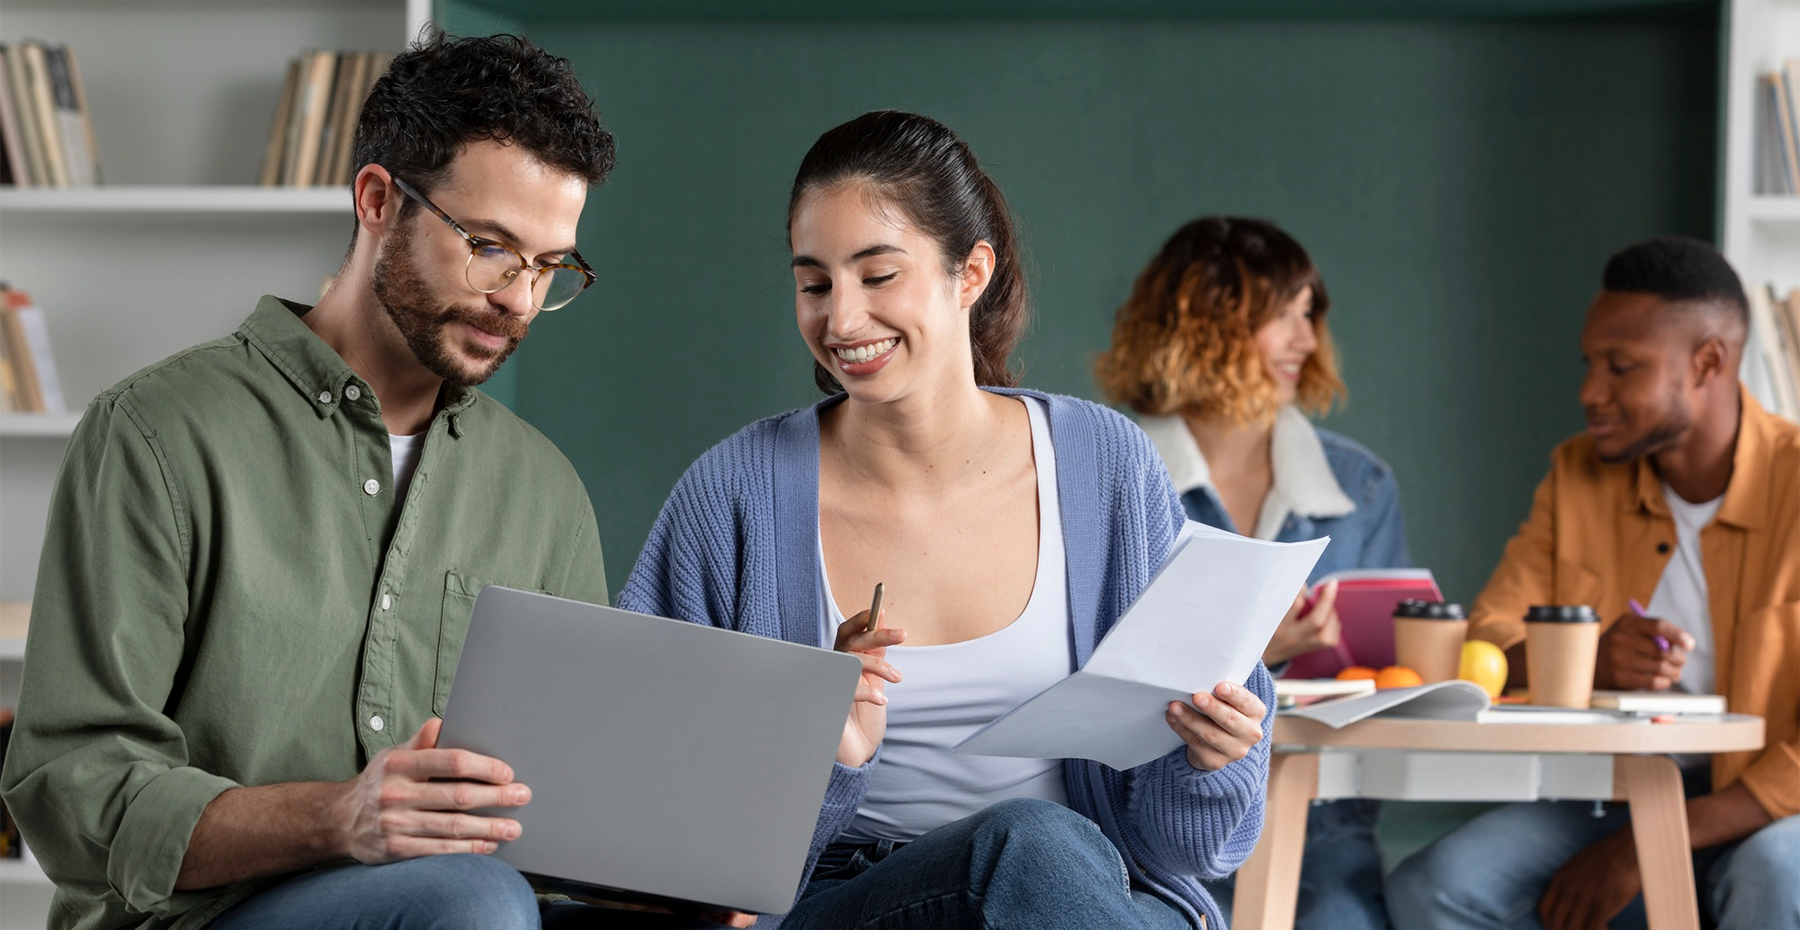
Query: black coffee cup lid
[
  {"x": 1415, "y": 609},
  {"x": 1561, "y": 613}
]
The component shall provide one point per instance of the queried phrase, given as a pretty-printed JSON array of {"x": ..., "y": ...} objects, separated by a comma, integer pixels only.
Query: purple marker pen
[{"x": 1662, "y": 644}]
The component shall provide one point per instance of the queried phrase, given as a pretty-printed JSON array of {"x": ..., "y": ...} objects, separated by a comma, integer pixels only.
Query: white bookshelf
[
  {"x": 179, "y": 244},
  {"x": 1760, "y": 235},
  {"x": 175, "y": 199},
  {"x": 20, "y": 872},
  {"x": 38, "y": 425}
]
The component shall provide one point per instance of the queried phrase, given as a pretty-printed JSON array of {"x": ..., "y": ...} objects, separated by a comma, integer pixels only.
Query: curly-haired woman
[{"x": 1222, "y": 350}]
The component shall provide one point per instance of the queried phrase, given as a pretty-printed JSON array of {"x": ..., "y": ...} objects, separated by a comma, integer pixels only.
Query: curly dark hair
[{"x": 448, "y": 91}]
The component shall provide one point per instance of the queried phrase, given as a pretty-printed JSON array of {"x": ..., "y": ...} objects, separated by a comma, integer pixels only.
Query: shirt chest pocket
[{"x": 460, "y": 589}]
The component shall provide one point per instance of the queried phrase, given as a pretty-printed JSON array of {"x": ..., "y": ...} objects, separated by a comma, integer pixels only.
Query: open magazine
[{"x": 1447, "y": 700}]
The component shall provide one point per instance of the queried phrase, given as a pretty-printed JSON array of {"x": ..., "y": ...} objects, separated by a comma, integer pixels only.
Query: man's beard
[
  {"x": 402, "y": 292},
  {"x": 1664, "y": 435}
]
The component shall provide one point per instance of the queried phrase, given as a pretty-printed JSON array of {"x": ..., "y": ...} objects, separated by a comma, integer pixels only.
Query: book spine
[
  {"x": 1785, "y": 136},
  {"x": 25, "y": 105},
  {"x": 1770, "y": 332},
  {"x": 86, "y": 115},
  {"x": 70, "y": 135},
  {"x": 37, "y": 339},
  {"x": 1771, "y": 164},
  {"x": 43, "y": 106},
  {"x": 19, "y": 350},
  {"x": 313, "y": 107},
  {"x": 334, "y": 114},
  {"x": 275, "y": 150},
  {"x": 346, "y": 137},
  {"x": 9, "y": 126},
  {"x": 9, "y": 386}
]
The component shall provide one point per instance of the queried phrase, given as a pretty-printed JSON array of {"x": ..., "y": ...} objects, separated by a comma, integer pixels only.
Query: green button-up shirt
[{"x": 230, "y": 594}]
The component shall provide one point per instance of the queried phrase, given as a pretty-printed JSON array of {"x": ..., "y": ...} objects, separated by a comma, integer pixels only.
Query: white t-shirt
[
  {"x": 1680, "y": 596},
  {"x": 405, "y": 452},
  {"x": 954, "y": 689}
]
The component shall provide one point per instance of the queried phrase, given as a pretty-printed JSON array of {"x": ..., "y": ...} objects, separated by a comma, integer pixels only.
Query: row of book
[
  {"x": 1775, "y": 336},
  {"x": 28, "y": 380},
  {"x": 315, "y": 119},
  {"x": 44, "y": 124},
  {"x": 1777, "y": 131}
]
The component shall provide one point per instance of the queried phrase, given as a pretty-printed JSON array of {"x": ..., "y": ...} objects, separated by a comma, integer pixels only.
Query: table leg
[
  {"x": 1652, "y": 785},
  {"x": 1269, "y": 882}
]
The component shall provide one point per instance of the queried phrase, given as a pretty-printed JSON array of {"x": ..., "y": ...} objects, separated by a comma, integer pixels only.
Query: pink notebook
[{"x": 1365, "y": 604}]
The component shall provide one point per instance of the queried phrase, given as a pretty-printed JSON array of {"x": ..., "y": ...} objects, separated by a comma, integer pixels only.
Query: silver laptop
[{"x": 668, "y": 761}]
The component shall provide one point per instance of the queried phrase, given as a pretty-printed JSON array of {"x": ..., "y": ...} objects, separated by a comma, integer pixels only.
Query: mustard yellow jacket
[{"x": 1601, "y": 533}]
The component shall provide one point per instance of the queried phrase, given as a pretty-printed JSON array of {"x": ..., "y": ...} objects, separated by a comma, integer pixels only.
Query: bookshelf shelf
[
  {"x": 38, "y": 425},
  {"x": 20, "y": 872},
  {"x": 1774, "y": 210},
  {"x": 176, "y": 199}
]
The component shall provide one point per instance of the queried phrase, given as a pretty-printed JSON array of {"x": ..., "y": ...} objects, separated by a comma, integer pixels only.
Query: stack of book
[
  {"x": 28, "y": 381},
  {"x": 1778, "y": 131},
  {"x": 48, "y": 137},
  {"x": 1775, "y": 335},
  {"x": 315, "y": 120}
]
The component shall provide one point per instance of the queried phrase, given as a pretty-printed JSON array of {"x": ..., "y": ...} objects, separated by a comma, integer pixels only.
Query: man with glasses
[{"x": 263, "y": 552}]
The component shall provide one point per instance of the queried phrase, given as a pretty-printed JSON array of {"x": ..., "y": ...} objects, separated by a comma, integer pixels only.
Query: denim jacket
[{"x": 1324, "y": 485}]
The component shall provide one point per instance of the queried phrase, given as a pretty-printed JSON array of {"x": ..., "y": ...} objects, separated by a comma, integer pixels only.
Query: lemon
[{"x": 1484, "y": 664}]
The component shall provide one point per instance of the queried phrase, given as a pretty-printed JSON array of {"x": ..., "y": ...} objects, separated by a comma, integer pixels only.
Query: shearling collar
[{"x": 1303, "y": 481}]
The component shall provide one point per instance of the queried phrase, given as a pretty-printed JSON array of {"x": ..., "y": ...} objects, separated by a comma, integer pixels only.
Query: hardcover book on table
[{"x": 1366, "y": 599}]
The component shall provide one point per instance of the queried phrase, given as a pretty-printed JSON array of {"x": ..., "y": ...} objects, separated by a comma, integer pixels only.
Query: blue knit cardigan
[{"x": 736, "y": 546}]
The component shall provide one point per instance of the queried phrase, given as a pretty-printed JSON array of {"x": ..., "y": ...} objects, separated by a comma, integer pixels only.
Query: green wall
[{"x": 1459, "y": 183}]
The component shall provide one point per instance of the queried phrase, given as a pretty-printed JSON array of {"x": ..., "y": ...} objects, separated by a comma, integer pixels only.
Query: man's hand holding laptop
[{"x": 414, "y": 800}]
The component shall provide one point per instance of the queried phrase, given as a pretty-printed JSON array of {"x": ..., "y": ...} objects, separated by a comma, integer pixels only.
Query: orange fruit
[
  {"x": 1484, "y": 664},
  {"x": 1357, "y": 673},
  {"x": 1397, "y": 676}
]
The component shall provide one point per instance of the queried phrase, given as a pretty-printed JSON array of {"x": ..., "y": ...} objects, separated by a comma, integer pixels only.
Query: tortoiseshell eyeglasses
[{"x": 493, "y": 266}]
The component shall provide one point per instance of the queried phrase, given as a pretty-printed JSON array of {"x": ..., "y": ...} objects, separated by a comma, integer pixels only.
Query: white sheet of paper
[
  {"x": 1204, "y": 619},
  {"x": 1444, "y": 700}
]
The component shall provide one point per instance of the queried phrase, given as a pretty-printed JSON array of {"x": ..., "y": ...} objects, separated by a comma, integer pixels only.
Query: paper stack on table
[{"x": 1204, "y": 619}]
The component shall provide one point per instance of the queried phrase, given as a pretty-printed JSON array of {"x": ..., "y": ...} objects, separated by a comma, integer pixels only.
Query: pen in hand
[
  {"x": 1662, "y": 643},
  {"x": 875, "y": 608}
]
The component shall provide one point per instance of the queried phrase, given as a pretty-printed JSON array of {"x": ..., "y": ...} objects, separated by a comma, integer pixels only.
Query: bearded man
[
  {"x": 1677, "y": 517},
  {"x": 263, "y": 552}
]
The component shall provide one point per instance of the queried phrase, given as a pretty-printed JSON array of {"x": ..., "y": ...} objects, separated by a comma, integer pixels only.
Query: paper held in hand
[{"x": 1204, "y": 619}]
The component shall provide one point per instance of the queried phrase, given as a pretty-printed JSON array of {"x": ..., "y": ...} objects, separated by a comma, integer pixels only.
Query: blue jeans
[
  {"x": 461, "y": 892},
  {"x": 1491, "y": 871},
  {"x": 1340, "y": 870},
  {"x": 1019, "y": 863}
]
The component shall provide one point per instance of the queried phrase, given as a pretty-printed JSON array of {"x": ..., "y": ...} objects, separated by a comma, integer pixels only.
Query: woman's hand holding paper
[{"x": 1218, "y": 728}]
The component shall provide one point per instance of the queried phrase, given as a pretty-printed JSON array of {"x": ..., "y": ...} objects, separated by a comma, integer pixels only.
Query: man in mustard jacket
[{"x": 1683, "y": 495}]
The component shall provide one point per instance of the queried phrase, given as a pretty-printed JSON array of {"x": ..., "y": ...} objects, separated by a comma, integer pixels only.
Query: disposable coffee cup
[
  {"x": 1561, "y": 642},
  {"x": 1428, "y": 638}
]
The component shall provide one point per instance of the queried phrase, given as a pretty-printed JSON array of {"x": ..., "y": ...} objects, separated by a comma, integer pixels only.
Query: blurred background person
[{"x": 1222, "y": 350}]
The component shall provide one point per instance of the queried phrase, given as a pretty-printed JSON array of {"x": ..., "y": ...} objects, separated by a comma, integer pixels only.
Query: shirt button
[
  {"x": 371, "y": 487},
  {"x": 352, "y": 392},
  {"x": 324, "y": 397},
  {"x": 386, "y": 602},
  {"x": 375, "y": 723}
]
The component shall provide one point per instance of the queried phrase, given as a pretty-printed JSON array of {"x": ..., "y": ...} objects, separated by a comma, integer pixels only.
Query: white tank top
[{"x": 954, "y": 689}]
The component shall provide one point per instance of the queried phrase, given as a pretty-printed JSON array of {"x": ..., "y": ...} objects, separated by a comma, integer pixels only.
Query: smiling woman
[
  {"x": 1008, "y": 530},
  {"x": 914, "y": 165}
]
